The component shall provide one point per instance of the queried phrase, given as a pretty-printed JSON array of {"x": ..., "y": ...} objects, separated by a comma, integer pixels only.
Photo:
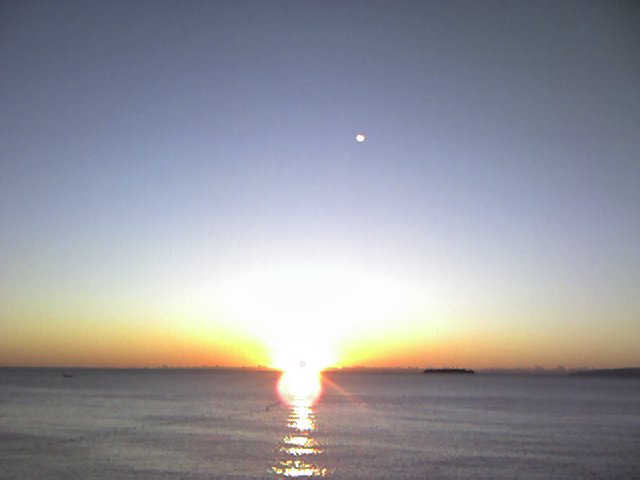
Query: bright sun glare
[
  {"x": 304, "y": 313},
  {"x": 300, "y": 386}
]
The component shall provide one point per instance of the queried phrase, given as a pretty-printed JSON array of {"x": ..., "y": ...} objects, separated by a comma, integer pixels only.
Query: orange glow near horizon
[
  {"x": 193, "y": 345},
  {"x": 137, "y": 347},
  {"x": 321, "y": 316}
]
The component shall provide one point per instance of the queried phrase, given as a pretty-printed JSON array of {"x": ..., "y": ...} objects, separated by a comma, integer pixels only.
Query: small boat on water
[{"x": 67, "y": 375}]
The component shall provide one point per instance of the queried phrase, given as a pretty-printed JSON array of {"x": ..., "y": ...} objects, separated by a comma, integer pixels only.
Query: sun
[
  {"x": 305, "y": 313},
  {"x": 295, "y": 353},
  {"x": 301, "y": 358},
  {"x": 300, "y": 386}
]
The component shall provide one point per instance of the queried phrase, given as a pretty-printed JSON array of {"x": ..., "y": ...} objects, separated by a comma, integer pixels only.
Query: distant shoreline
[
  {"x": 449, "y": 371},
  {"x": 626, "y": 372},
  {"x": 608, "y": 372}
]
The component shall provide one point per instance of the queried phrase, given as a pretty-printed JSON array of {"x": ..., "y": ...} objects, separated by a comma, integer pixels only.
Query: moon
[{"x": 360, "y": 137}]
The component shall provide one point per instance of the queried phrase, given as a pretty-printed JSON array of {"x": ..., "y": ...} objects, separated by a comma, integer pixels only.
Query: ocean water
[{"x": 206, "y": 424}]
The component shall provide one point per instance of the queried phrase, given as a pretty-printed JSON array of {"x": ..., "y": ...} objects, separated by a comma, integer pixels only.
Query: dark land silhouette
[{"x": 449, "y": 370}]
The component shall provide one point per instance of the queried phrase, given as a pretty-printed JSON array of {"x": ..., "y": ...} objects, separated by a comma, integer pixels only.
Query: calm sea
[{"x": 167, "y": 424}]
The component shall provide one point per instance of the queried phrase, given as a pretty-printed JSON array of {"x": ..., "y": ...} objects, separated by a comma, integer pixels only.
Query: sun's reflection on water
[{"x": 300, "y": 389}]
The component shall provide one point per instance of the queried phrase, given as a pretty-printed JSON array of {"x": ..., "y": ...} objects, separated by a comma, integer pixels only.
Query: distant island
[
  {"x": 609, "y": 372},
  {"x": 449, "y": 370}
]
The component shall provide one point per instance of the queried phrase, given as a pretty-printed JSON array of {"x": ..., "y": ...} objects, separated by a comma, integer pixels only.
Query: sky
[{"x": 180, "y": 183}]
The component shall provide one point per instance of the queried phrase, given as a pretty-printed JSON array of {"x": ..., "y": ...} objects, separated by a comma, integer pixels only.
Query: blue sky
[{"x": 152, "y": 149}]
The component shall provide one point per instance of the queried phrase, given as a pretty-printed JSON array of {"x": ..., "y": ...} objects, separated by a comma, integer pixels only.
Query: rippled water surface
[{"x": 166, "y": 424}]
